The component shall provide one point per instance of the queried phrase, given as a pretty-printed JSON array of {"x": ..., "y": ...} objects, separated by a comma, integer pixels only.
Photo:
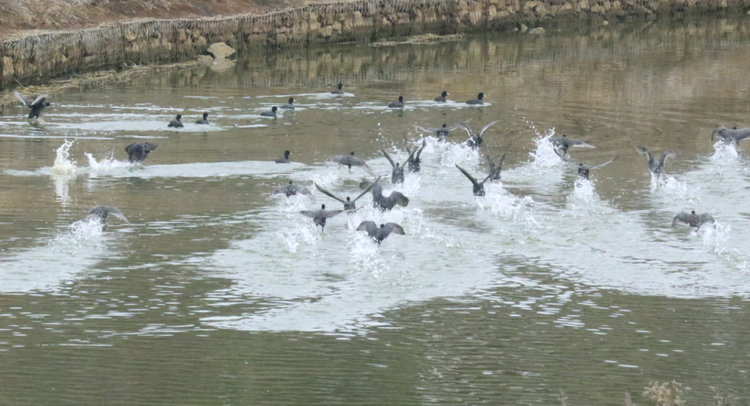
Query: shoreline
[{"x": 41, "y": 58}]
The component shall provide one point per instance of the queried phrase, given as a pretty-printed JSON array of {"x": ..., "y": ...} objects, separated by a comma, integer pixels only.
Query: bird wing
[
  {"x": 310, "y": 213},
  {"x": 705, "y": 218},
  {"x": 388, "y": 157},
  {"x": 500, "y": 163},
  {"x": 131, "y": 147},
  {"x": 149, "y": 146},
  {"x": 368, "y": 226},
  {"x": 644, "y": 151},
  {"x": 419, "y": 151},
  {"x": 38, "y": 100},
  {"x": 466, "y": 128},
  {"x": 682, "y": 216},
  {"x": 667, "y": 154},
  {"x": 364, "y": 166},
  {"x": 562, "y": 156},
  {"x": 488, "y": 126},
  {"x": 606, "y": 163},
  {"x": 718, "y": 132},
  {"x": 393, "y": 228},
  {"x": 468, "y": 175},
  {"x": 331, "y": 213},
  {"x": 327, "y": 193},
  {"x": 427, "y": 130},
  {"x": 742, "y": 134},
  {"x": 572, "y": 142},
  {"x": 23, "y": 99},
  {"x": 398, "y": 198},
  {"x": 279, "y": 190},
  {"x": 488, "y": 155},
  {"x": 341, "y": 159},
  {"x": 367, "y": 189},
  {"x": 115, "y": 212},
  {"x": 305, "y": 191}
]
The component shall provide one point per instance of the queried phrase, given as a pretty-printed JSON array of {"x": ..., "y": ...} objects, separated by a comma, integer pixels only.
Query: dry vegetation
[{"x": 19, "y": 16}]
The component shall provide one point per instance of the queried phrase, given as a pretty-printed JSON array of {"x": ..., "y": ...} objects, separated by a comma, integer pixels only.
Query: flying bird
[
  {"x": 441, "y": 132},
  {"x": 397, "y": 175},
  {"x": 414, "y": 161},
  {"x": 475, "y": 139},
  {"x": 583, "y": 170},
  {"x": 138, "y": 152},
  {"x": 384, "y": 203},
  {"x": 653, "y": 165},
  {"x": 563, "y": 143},
  {"x": 478, "y": 187},
  {"x": 319, "y": 216},
  {"x": 732, "y": 135},
  {"x": 36, "y": 105},
  {"x": 102, "y": 212},
  {"x": 350, "y": 160},
  {"x": 380, "y": 233},
  {"x": 692, "y": 219},
  {"x": 291, "y": 189},
  {"x": 348, "y": 203}
]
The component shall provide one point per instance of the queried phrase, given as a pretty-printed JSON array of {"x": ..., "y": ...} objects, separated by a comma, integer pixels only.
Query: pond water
[{"x": 217, "y": 292}]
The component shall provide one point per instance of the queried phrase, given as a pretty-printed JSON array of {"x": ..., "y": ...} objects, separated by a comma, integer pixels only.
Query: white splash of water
[
  {"x": 725, "y": 154},
  {"x": 670, "y": 186},
  {"x": 544, "y": 156},
  {"x": 584, "y": 191},
  {"x": 63, "y": 164},
  {"x": 105, "y": 164},
  {"x": 459, "y": 154},
  {"x": 501, "y": 202}
]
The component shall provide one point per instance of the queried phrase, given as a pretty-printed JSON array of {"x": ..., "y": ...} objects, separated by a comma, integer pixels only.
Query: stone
[
  {"x": 524, "y": 28},
  {"x": 536, "y": 31},
  {"x": 220, "y": 50}
]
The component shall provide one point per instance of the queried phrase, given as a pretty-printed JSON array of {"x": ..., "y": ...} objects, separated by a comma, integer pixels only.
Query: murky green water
[{"x": 218, "y": 293}]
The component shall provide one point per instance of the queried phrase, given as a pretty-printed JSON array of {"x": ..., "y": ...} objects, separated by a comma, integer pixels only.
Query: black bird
[
  {"x": 338, "y": 89},
  {"x": 176, "y": 123},
  {"x": 583, "y": 170},
  {"x": 271, "y": 113},
  {"x": 563, "y": 143},
  {"x": 478, "y": 187},
  {"x": 291, "y": 189},
  {"x": 350, "y": 160},
  {"x": 319, "y": 216},
  {"x": 138, "y": 152},
  {"x": 732, "y": 135},
  {"x": 441, "y": 98},
  {"x": 285, "y": 159},
  {"x": 397, "y": 175},
  {"x": 36, "y": 105},
  {"x": 380, "y": 233},
  {"x": 441, "y": 132},
  {"x": 290, "y": 105},
  {"x": 204, "y": 121},
  {"x": 414, "y": 161},
  {"x": 653, "y": 165},
  {"x": 381, "y": 202},
  {"x": 103, "y": 211},
  {"x": 495, "y": 169},
  {"x": 397, "y": 105},
  {"x": 478, "y": 100},
  {"x": 475, "y": 140},
  {"x": 692, "y": 219},
  {"x": 348, "y": 203}
]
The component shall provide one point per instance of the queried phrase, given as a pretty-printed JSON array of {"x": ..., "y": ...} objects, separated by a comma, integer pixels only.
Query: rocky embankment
[{"x": 36, "y": 58}]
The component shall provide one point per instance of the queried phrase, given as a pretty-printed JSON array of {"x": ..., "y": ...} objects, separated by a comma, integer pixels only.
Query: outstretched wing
[
  {"x": 466, "y": 128},
  {"x": 38, "y": 100},
  {"x": 363, "y": 164},
  {"x": 117, "y": 213},
  {"x": 572, "y": 142},
  {"x": 279, "y": 191},
  {"x": 606, "y": 163},
  {"x": 24, "y": 100},
  {"x": 468, "y": 175},
  {"x": 562, "y": 156},
  {"x": 305, "y": 191},
  {"x": 682, "y": 216},
  {"x": 644, "y": 151},
  {"x": 393, "y": 228},
  {"x": 398, "y": 198},
  {"x": 667, "y": 154},
  {"x": 419, "y": 151},
  {"x": 488, "y": 155},
  {"x": 331, "y": 213},
  {"x": 706, "y": 218},
  {"x": 310, "y": 213},
  {"x": 149, "y": 146},
  {"x": 742, "y": 134},
  {"x": 368, "y": 226},
  {"x": 388, "y": 157},
  {"x": 327, "y": 193},
  {"x": 372, "y": 185},
  {"x": 718, "y": 132},
  {"x": 488, "y": 126},
  {"x": 131, "y": 147},
  {"x": 427, "y": 130}
]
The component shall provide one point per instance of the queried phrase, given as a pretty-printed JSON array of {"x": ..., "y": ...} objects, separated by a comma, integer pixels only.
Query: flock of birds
[{"x": 137, "y": 152}]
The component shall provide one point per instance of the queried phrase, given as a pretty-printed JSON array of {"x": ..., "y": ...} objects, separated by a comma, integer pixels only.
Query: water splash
[
  {"x": 544, "y": 156},
  {"x": 501, "y": 202},
  {"x": 105, "y": 165},
  {"x": 725, "y": 154},
  {"x": 584, "y": 191},
  {"x": 459, "y": 154},
  {"x": 670, "y": 186},
  {"x": 63, "y": 164}
]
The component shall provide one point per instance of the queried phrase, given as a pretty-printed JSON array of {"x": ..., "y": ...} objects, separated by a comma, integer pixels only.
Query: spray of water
[{"x": 63, "y": 164}]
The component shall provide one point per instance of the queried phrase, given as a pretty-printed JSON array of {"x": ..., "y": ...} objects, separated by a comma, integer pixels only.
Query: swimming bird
[
  {"x": 478, "y": 187},
  {"x": 271, "y": 113},
  {"x": 204, "y": 121},
  {"x": 583, "y": 170},
  {"x": 414, "y": 161},
  {"x": 384, "y": 203},
  {"x": 653, "y": 165},
  {"x": 319, "y": 216},
  {"x": 475, "y": 140},
  {"x": 441, "y": 132},
  {"x": 176, "y": 123},
  {"x": 348, "y": 203},
  {"x": 441, "y": 98},
  {"x": 380, "y": 233},
  {"x": 291, "y": 189},
  {"x": 338, "y": 89},
  {"x": 397, "y": 175},
  {"x": 477, "y": 101},
  {"x": 138, "y": 152},
  {"x": 732, "y": 135},
  {"x": 289, "y": 105},
  {"x": 103, "y": 211},
  {"x": 397, "y": 105},
  {"x": 350, "y": 160},
  {"x": 692, "y": 219},
  {"x": 36, "y": 105},
  {"x": 285, "y": 159},
  {"x": 563, "y": 143}
]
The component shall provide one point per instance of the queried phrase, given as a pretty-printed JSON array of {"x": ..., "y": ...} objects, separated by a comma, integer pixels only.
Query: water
[{"x": 218, "y": 292}]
